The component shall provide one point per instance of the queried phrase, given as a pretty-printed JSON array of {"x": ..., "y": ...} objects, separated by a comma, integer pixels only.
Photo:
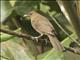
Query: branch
[
  {"x": 29, "y": 37},
  {"x": 72, "y": 50},
  {"x": 62, "y": 28}
]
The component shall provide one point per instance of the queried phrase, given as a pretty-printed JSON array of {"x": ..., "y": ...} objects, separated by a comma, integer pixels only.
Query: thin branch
[
  {"x": 62, "y": 28},
  {"x": 29, "y": 37},
  {"x": 72, "y": 50}
]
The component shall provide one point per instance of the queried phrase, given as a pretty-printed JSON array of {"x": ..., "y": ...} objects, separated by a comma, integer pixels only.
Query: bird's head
[{"x": 30, "y": 14}]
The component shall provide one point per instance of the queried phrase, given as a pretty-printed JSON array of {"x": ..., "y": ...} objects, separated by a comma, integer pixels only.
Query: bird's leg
[
  {"x": 38, "y": 40},
  {"x": 38, "y": 37}
]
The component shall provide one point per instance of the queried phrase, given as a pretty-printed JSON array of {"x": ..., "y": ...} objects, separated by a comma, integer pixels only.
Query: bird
[{"x": 43, "y": 26}]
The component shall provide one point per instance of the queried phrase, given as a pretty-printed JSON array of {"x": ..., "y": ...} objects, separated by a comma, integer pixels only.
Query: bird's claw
[{"x": 36, "y": 39}]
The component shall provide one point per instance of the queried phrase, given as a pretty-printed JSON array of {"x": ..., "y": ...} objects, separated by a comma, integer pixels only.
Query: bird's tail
[{"x": 55, "y": 42}]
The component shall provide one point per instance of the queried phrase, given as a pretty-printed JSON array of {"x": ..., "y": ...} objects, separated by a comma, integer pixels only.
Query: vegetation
[{"x": 17, "y": 35}]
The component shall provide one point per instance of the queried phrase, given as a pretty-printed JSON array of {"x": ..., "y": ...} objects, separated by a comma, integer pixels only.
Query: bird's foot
[{"x": 37, "y": 38}]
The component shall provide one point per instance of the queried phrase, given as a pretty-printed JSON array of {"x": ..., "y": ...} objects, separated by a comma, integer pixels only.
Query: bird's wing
[{"x": 42, "y": 25}]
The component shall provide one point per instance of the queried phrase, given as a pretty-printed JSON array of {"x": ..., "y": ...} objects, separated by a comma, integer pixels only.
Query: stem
[
  {"x": 17, "y": 34},
  {"x": 72, "y": 13}
]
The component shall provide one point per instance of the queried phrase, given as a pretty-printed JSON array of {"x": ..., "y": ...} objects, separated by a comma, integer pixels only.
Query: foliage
[{"x": 15, "y": 48}]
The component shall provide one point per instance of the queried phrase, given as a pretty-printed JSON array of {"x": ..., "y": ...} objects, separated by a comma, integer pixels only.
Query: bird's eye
[{"x": 31, "y": 13}]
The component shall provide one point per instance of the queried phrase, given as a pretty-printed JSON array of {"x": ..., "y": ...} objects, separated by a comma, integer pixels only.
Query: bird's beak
[{"x": 25, "y": 15}]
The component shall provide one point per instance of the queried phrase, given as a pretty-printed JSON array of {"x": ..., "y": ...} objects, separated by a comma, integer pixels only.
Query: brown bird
[{"x": 43, "y": 26}]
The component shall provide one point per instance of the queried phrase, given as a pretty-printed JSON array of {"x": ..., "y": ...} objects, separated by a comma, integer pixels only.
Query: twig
[
  {"x": 62, "y": 28},
  {"x": 72, "y": 50},
  {"x": 29, "y": 37}
]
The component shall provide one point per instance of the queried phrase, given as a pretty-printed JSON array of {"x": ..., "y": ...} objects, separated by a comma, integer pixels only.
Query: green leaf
[
  {"x": 16, "y": 51},
  {"x": 4, "y": 37},
  {"x": 44, "y": 8},
  {"x": 51, "y": 55},
  {"x": 66, "y": 42},
  {"x": 23, "y": 7},
  {"x": 71, "y": 56},
  {"x": 64, "y": 22},
  {"x": 12, "y": 2},
  {"x": 54, "y": 55},
  {"x": 6, "y": 10}
]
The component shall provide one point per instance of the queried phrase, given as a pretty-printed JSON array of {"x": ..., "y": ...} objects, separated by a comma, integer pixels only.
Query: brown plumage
[{"x": 42, "y": 25}]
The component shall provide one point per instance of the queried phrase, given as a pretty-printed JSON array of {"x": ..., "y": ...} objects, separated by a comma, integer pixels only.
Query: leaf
[
  {"x": 12, "y": 2},
  {"x": 23, "y": 7},
  {"x": 44, "y": 8},
  {"x": 52, "y": 55},
  {"x": 15, "y": 51},
  {"x": 57, "y": 20},
  {"x": 6, "y": 10},
  {"x": 64, "y": 22},
  {"x": 72, "y": 13},
  {"x": 71, "y": 56},
  {"x": 5, "y": 37},
  {"x": 66, "y": 42}
]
